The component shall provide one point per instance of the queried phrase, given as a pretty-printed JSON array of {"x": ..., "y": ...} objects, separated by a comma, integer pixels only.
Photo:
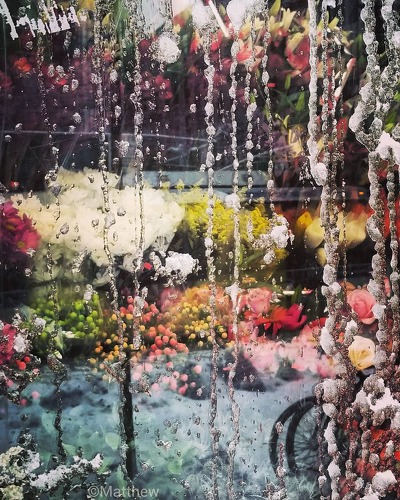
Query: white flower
[
  {"x": 20, "y": 344},
  {"x": 134, "y": 214},
  {"x": 166, "y": 48},
  {"x": 232, "y": 201},
  {"x": 362, "y": 352},
  {"x": 180, "y": 265},
  {"x": 280, "y": 236},
  {"x": 319, "y": 172}
]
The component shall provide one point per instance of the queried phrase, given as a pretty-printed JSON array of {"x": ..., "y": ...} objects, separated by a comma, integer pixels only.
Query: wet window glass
[{"x": 199, "y": 249}]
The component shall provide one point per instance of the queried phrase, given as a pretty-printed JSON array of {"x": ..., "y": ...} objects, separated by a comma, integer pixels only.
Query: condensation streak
[
  {"x": 394, "y": 301},
  {"x": 251, "y": 107},
  {"x": 375, "y": 223},
  {"x": 135, "y": 22},
  {"x": 268, "y": 105},
  {"x": 116, "y": 369},
  {"x": 53, "y": 363},
  {"x": 312, "y": 142},
  {"x": 329, "y": 220},
  {"x": 234, "y": 289},
  {"x": 209, "y": 245}
]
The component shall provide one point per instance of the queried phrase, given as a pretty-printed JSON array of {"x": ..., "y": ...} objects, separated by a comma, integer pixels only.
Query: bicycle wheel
[
  {"x": 302, "y": 443},
  {"x": 276, "y": 437}
]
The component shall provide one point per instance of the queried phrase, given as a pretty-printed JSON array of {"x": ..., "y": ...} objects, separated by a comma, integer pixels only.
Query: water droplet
[
  {"x": 64, "y": 229},
  {"x": 109, "y": 220},
  {"x": 113, "y": 76}
]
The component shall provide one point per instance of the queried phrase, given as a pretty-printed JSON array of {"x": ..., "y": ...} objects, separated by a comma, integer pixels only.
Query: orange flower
[{"x": 22, "y": 65}]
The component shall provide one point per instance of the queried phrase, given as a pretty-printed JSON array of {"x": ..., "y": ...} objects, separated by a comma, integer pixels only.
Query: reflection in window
[{"x": 199, "y": 249}]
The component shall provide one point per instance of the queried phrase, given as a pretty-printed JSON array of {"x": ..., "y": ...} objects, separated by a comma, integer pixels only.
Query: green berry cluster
[{"x": 73, "y": 324}]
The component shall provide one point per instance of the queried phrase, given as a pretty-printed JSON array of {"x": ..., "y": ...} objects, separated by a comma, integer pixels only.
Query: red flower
[
  {"x": 27, "y": 239},
  {"x": 22, "y": 65},
  {"x": 298, "y": 57},
  {"x": 7, "y": 337},
  {"x": 280, "y": 317},
  {"x": 17, "y": 234}
]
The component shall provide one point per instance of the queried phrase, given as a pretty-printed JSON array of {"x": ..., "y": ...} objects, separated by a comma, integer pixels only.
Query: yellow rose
[
  {"x": 302, "y": 223},
  {"x": 362, "y": 352}
]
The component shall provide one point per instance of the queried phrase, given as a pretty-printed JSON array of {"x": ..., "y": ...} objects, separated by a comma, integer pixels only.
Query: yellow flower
[
  {"x": 314, "y": 233},
  {"x": 302, "y": 223},
  {"x": 352, "y": 227},
  {"x": 362, "y": 352}
]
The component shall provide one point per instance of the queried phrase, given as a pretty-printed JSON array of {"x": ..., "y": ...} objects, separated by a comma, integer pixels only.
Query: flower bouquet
[
  {"x": 18, "y": 366},
  {"x": 19, "y": 241}
]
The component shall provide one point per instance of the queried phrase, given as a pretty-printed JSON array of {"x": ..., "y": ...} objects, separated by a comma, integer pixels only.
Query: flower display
[
  {"x": 272, "y": 136},
  {"x": 75, "y": 222},
  {"x": 263, "y": 239},
  {"x": 160, "y": 339},
  {"x": 301, "y": 353}
]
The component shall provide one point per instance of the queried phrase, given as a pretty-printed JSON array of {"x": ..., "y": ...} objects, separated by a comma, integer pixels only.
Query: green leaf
[
  {"x": 288, "y": 81},
  {"x": 276, "y": 7},
  {"x": 175, "y": 466},
  {"x": 112, "y": 439},
  {"x": 121, "y": 481},
  {"x": 301, "y": 103},
  {"x": 296, "y": 297},
  {"x": 48, "y": 421},
  {"x": 256, "y": 255},
  {"x": 391, "y": 120},
  {"x": 70, "y": 449},
  {"x": 267, "y": 112}
]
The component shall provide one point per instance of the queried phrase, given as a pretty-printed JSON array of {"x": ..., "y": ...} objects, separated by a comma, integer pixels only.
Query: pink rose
[
  {"x": 263, "y": 355},
  {"x": 257, "y": 300},
  {"x": 362, "y": 302}
]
